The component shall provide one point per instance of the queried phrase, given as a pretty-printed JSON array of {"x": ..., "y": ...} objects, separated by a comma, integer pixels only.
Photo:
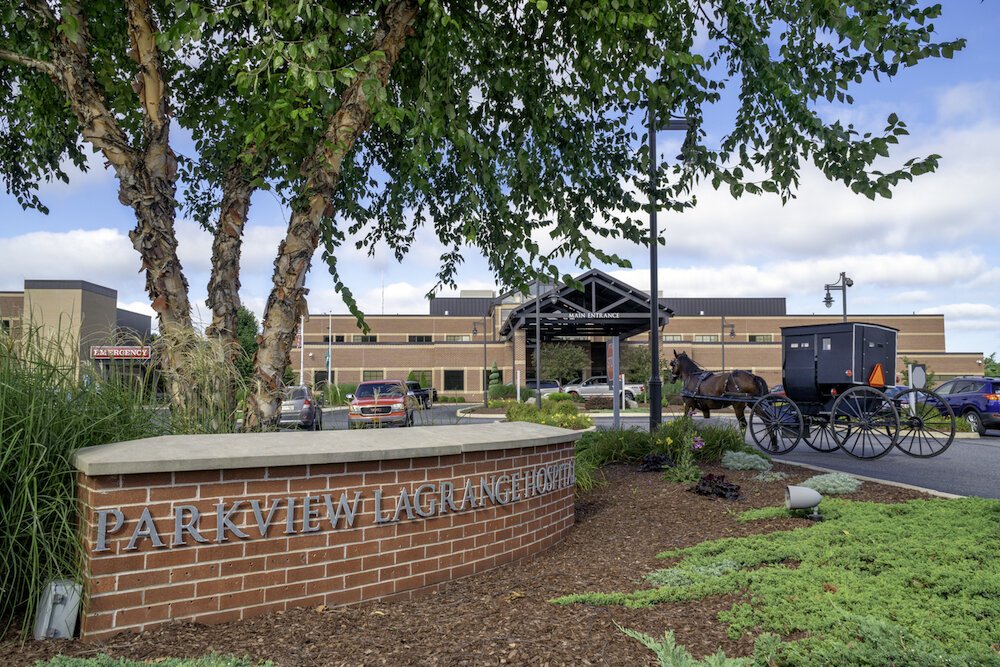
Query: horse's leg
[
  {"x": 739, "y": 409},
  {"x": 705, "y": 413}
]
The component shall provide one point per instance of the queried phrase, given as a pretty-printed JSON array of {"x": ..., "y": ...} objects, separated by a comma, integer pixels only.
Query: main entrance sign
[{"x": 216, "y": 528}]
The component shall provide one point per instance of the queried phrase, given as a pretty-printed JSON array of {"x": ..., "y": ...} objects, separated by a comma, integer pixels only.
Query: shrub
[
  {"x": 683, "y": 473},
  {"x": 716, "y": 486},
  {"x": 336, "y": 394},
  {"x": 770, "y": 476},
  {"x": 744, "y": 461},
  {"x": 720, "y": 439},
  {"x": 509, "y": 391},
  {"x": 619, "y": 446},
  {"x": 559, "y": 413},
  {"x": 833, "y": 483},
  {"x": 558, "y": 396},
  {"x": 598, "y": 403}
]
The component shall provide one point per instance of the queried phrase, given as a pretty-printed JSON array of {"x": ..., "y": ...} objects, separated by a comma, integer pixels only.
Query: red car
[{"x": 381, "y": 403}]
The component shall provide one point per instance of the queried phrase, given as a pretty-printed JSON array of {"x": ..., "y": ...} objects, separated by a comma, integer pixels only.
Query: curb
[{"x": 876, "y": 480}]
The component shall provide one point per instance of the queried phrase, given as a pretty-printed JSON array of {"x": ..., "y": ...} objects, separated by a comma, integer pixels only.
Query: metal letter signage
[
  {"x": 593, "y": 316},
  {"x": 328, "y": 512},
  {"x": 121, "y": 352}
]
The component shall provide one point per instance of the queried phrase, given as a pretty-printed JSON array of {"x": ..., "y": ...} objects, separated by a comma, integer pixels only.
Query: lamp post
[
  {"x": 722, "y": 338},
  {"x": 329, "y": 347},
  {"x": 538, "y": 344},
  {"x": 841, "y": 285},
  {"x": 655, "y": 381},
  {"x": 486, "y": 398}
]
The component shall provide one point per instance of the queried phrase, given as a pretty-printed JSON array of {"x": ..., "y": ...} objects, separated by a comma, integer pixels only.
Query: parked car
[
  {"x": 599, "y": 386},
  {"x": 975, "y": 399},
  {"x": 381, "y": 403},
  {"x": 778, "y": 389},
  {"x": 892, "y": 391},
  {"x": 300, "y": 409},
  {"x": 425, "y": 395},
  {"x": 544, "y": 387}
]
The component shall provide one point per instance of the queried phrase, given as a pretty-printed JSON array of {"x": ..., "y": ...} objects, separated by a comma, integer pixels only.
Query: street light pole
[
  {"x": 841, "y": 286},
  {"x": 655, "y": 381},
  {"x": 329, "y": 347},
  {"x": 722, "y": 338},
  {"x": 486, "y": 397},
  {"x": 538, "y": 344}
]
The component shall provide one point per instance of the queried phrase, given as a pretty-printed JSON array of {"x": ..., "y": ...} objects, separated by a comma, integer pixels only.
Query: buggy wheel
[
  {"x": 864, "y": 423},
  {"x": 926, "y": 423},
  {"x": 820, "y": 437},
  {"x": 775, "y": 424}
]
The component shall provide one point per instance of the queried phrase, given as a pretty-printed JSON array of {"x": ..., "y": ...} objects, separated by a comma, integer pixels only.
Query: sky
[{"x": 932, "y": 248}]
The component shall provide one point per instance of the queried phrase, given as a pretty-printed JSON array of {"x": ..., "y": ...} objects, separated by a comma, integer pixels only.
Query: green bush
[
  {"x": 558, "y": 413},
  {"x": 558, "y": 396},
  {"x": 619, "y": 446},
  {"x": 509, "y": 391},
  {"x": 720, "y": 439},
  {"x": 833, "y": 483},
  {"x": 48, "y": 412},
  {"x": 745, "y": 461}
]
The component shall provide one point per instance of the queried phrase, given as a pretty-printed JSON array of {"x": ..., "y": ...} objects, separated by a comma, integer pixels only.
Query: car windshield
[
  {"x": 296, "y": 393},
  {"x": 379, "y": 389}
]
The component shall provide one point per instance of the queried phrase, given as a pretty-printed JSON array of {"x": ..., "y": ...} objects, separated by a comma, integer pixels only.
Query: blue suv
[{"x": 975, "y": 399}]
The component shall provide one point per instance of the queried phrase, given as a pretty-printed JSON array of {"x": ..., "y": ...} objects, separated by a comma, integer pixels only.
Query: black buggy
[{"x": 833, "y": 377}]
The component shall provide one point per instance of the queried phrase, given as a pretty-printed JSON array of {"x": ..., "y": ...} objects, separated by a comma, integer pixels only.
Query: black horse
[{"x": 701, "y": 384}]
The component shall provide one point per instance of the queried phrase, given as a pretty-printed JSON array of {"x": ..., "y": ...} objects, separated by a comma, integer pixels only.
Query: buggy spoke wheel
[
  {"x": 864, "y": 422},
  {"x": 820, "y": 437},
  {"x": 775, "y": 424},
  {"x": 926, "y": 423}
]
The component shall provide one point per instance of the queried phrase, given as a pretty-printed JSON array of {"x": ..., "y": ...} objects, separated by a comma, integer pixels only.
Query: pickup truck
[
  {"x": 425, "y": 395},
  {"x": 379, "y": 403},
  {"x": 599, "y": 386}
]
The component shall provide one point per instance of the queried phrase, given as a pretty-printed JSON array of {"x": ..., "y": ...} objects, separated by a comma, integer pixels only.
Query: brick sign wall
[{"x": 222, "y": 545}]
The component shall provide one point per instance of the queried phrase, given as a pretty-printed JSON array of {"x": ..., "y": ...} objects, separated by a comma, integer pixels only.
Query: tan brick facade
[
  {"x": 921, "y": 338},
  {"x": 525, "y": 508}
]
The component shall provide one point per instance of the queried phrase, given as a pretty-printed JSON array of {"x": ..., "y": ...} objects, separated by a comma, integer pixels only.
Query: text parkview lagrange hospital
[{"x": 445, "y": 348}]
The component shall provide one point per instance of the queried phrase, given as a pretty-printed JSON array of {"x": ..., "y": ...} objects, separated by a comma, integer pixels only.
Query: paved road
[
  {"x": 439, "y": 414},
  {"x": 968, "y": 467}
]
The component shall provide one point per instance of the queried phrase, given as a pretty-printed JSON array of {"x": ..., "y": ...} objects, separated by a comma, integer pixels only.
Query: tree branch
[
  {"x": 32, "y": 63},
  {"x": 150, "y": 83}
]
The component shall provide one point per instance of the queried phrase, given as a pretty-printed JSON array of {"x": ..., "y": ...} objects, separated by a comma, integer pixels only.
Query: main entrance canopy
[{"x": 605, "y": 307}]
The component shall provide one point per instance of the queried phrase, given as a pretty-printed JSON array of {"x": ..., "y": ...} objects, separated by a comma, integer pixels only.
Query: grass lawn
[{"x": 916, "y": 583}]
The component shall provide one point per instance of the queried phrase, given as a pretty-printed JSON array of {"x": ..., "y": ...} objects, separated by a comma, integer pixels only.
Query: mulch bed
[{"x": 503, "y": 617}]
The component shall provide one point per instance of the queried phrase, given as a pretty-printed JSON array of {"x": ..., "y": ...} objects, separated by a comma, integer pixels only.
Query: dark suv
[{"x": 975, "y": 399}]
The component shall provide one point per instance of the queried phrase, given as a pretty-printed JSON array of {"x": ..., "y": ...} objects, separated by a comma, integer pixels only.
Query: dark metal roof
[
  {"x": 71, "y": 284},
  {"x": 462, "y": 306},
  {"x": 730, "y": 307},
  {"x": 605, "y": 307},
  {"x": 137, "y": 324}
]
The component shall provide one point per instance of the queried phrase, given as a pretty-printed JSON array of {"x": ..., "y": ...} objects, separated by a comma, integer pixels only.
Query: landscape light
[{"x": 803, "y": 498}]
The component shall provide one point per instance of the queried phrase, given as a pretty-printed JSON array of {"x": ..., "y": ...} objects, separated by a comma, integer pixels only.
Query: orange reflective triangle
[{"x": 877, "y": 378}]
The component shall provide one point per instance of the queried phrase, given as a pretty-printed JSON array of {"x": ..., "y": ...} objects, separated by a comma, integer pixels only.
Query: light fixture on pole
[
  {"x": 722, "y": 338},
  {"x": 655, "y": 381},
  {"x": 841, "y": 286}
]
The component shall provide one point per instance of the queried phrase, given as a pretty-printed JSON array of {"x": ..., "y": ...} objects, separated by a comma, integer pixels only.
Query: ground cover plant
[
  {"x": 906, "y": 584},
  {"x": 833, "y": 483},
  {"x": 744, "y": 461}
]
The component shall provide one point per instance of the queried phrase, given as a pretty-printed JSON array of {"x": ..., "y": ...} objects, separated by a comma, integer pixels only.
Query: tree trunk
[
  {"x": 224, "y": 284},
  {"x": 287, "y": 301},
  {"x": 147, "y": 177}
]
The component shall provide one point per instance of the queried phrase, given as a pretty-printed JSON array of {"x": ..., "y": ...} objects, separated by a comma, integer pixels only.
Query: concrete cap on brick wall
[{"x": 174, "y": 453}]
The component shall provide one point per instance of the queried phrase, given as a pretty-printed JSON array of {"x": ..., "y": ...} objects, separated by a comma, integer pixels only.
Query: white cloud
[{"x": 103, "y": 256}]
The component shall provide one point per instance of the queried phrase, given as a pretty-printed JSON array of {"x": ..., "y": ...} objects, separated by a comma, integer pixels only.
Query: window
[
  {"x": 423, "y": 377},
  {"x": 706, "y": 338},
  {"x": 5, "y": 326},
  {"x": 371, "y": 375},
  {"x": 458, "y": 338},
  {"x": 454, "y": 380},
  {"x": 360, "y": 338},
  {"x": 420, "y": 338},
  {"x": 827, "y": 345},
  {"x": 338, "y": 338},
  {"x": 672, "y": 338},
  {"x": 761, "y": 338},
  {"x": 320, "y": 380}
]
